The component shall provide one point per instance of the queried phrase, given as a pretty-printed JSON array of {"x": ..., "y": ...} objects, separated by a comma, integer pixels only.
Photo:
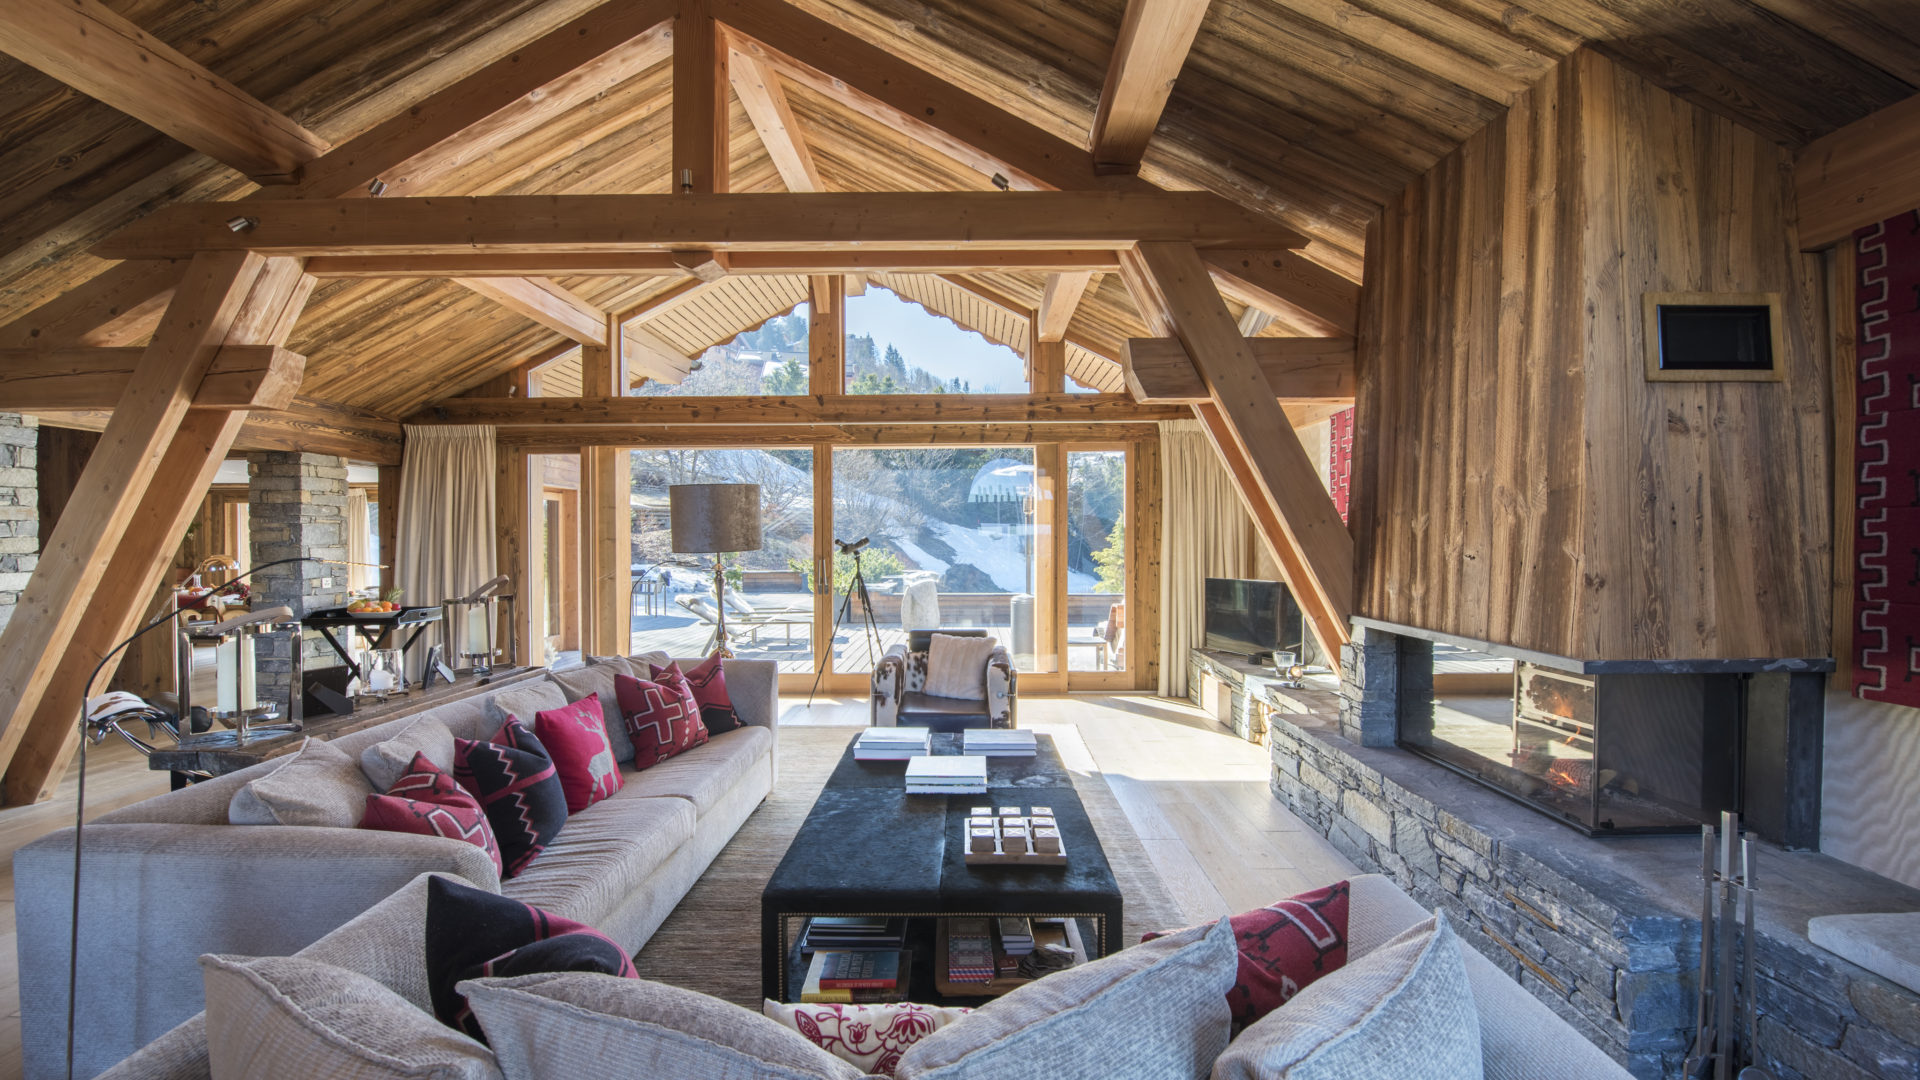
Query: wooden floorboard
[{"x": 1196, "y": 795}]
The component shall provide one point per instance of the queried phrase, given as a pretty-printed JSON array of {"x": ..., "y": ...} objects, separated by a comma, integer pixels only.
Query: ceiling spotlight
[
  {"x": 377, "y": 188},
  {"x": 686, "y": 180},
  {"x": 1002, "y": 183},
  {"x": 242, "y": 224}
]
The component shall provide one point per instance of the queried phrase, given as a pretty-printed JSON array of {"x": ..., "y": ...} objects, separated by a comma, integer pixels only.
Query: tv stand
[{"x": 1228, "y": 686}]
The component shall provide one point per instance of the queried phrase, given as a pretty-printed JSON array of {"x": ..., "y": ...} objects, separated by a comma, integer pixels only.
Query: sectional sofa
[{"x": 168, "y": 879}]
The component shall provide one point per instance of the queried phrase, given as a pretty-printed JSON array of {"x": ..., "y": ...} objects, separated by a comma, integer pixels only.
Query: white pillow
[
  {"x": 319, "y": 784},
  {"x": 284, "y": 1016},
  {"x": 567, "y": 1025},
  {"x": 1156, "y": 1011},
  {"x": 386, "y": 762},
  {"x": 957, "y": 666},
  {"x": 870, "y": 1037},
  {"x": 1404, "y": 1010}
]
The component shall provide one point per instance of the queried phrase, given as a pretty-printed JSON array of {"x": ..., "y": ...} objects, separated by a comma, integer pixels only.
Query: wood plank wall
[{"x": 1517, "y": 479}]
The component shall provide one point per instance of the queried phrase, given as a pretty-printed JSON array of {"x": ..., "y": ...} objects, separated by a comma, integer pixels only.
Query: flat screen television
[{"x": 1253, "y": 619}]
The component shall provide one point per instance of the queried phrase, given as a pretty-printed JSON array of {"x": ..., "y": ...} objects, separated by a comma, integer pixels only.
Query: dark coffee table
[{"x": 869, "y": 848}]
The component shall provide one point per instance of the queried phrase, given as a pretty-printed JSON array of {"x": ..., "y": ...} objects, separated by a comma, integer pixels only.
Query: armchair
[{"x": 900, "y": 679}]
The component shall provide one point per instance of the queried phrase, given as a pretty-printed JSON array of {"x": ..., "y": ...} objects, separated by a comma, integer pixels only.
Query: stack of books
[
  {"x": 892, "y": 743},
  {"x": 970, "y": 951},
  {"x": 857, "y": 977},
  {"x": 989, "y": 742},
  {"x": 946, "y": 775},
  {"x": 1016, "y": 935},
  {"x": 854, "y": 932}
]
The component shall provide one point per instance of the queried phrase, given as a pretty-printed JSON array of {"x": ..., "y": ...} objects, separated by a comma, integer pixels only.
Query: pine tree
[{"x": 1112, "y": 561}]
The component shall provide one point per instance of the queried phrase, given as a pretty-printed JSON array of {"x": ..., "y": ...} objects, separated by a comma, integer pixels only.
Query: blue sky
[{"x": 934, "y": 343}]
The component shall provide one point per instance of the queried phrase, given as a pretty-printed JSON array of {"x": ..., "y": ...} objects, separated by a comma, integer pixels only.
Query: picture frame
[{"x": 1667, "y": 316}]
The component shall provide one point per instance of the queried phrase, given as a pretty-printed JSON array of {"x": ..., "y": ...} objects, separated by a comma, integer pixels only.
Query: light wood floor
[{"x": 1196, "y": 795}]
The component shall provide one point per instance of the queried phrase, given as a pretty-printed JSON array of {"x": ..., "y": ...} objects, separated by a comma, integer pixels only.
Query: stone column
[
  {"x": 297, "y": 506},
  {"x": 1370, "y": 687},
  {"x": 19, "y": 508}
]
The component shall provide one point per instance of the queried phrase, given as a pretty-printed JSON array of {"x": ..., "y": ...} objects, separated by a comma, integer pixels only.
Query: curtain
[
  {"x": 1205, "y": 532},
  {"x": 444, "y": 522},
  {"x": 358, "y": 577}
]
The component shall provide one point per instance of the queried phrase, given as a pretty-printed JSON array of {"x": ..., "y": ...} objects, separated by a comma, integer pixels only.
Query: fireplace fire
[{"x": 1608, "y": 754}]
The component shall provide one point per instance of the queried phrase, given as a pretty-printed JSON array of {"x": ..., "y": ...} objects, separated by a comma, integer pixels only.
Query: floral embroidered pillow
[{"x": 870, "y": 1037}]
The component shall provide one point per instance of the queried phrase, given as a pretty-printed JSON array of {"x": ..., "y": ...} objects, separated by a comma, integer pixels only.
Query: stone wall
[
  {"x": 19, "y": 508},
  {"x": 297, "y": 506},
  {"x": 1596, "y": 929}
]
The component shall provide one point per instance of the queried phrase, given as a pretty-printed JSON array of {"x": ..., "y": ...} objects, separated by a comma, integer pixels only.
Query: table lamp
[{"x": 715, "y": 519}]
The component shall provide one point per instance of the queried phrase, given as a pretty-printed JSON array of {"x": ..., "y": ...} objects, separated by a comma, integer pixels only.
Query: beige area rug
[{"x": 711, "y": 942}]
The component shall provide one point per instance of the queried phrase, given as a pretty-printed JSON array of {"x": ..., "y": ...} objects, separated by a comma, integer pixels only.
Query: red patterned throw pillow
[
  {"x": 428, "y": 802},
  {"x": 707, "y": 682},
  {"x": 576, "y": 738},
  {"x": 515, "y": 782},
  {"x": 661, "y": 718},
  {"x": 1283, "y": 947},
  {"x": 870, "y": 1037}
]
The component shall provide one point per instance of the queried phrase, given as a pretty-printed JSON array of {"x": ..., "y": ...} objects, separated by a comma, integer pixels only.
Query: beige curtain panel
[
  {"x": 358, "y": 577},
  {"x": 445, "y": 535},
  {"x": 1205, "y": 532}
]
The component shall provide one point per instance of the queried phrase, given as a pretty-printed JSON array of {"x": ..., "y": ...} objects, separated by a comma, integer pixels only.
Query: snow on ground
[{"x": 1002, "y": 555}]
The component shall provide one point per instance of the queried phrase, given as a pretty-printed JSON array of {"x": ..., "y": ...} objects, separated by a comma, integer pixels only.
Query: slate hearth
[{"x": 1605, "y": 931}]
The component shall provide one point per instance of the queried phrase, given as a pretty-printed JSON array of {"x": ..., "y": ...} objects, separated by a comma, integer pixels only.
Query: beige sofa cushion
[
  {"x": 573, "y": 1024},
  {"x": 602, "y": 856},
  {"x": 385, "y": 762},
  {"x": 283, "y": 1016},
  {"x": 1404, "y": 1010},
  {"x": 704, "y": 774},
  {"x": 318, "y": 785},
  {"x": 524, "y": 700}
]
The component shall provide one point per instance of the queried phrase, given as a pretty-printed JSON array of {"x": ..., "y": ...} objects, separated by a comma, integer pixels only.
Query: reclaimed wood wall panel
[{"x": 1517, "y": 477}]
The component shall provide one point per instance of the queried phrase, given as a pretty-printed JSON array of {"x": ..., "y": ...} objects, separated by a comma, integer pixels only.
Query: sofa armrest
[
  {"x": 754, "y": 686},
  {"x": 1003, "y": 684},
  {"x": 889, "y": 683},
  {"x": 155, "y": 897}
]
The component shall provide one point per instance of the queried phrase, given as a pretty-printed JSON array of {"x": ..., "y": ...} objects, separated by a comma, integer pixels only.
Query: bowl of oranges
[{"x": 376, "y": 609}]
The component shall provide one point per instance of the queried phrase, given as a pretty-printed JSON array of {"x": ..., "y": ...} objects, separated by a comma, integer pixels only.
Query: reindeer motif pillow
[{"x": 576, "y": 739}]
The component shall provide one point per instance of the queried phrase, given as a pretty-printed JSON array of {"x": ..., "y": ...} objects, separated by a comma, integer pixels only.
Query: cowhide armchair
[{"x": 900, "y": 700}]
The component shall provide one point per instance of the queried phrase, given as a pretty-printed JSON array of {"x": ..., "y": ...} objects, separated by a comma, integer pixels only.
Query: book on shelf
[
  {"x": 970, "y": 956},
  {"x": 947, "y": 775},
  {"x": 860, "y": 969},
  {"x": 854, "y": 932},
  {"x": 812, "y": 993},
  {"x": 1016, "y": 935}
]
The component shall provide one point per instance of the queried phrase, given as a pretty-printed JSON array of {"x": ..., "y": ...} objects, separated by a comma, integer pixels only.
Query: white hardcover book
[{"x": 948, "y": 769}]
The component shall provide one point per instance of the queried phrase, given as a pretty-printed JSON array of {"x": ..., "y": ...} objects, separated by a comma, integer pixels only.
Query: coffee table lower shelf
[{"x": 926, "y": 941}]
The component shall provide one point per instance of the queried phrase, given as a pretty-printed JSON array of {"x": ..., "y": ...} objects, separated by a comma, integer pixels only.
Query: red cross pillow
[
  {"x": 429, "y": 802},
  {"x": 662, "y": 719},
  {"x": 1283, "y": 947},
  {"x": 576, "y": 739},
  {"x": 708, "y": 684}
]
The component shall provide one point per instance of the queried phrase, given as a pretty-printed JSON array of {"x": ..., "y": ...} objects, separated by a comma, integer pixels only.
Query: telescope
[{"x": 849, "y": 547}]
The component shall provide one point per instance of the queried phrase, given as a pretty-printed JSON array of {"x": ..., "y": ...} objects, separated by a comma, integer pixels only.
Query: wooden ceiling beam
[
  {"x": 700, "y": 113},
  {"x": 1286, "y": 284},
  {"x": 118, "y": 307},
  {"x": 766, "y": 105},
  {"x": 96, "y": 51},
  {"x": 1058, "y": 303},
  {"x": 1155, "y": 36},
  {"x": 563, "y": 439},
  {"x": 764, "y": 221},
  {"x": 671, "y": 264},
  {"x": 650, "y": 356},
  {"x": 240, "y": 377},
  {"x": 1317, "y": 370},
  {"x": 1863, "y": 173},
  {"x": 547, "y": 303},
  {"x": 808, "y": 410},
  {"x": 1252, "y": 435},
  {"x": 305, "y": 425}
]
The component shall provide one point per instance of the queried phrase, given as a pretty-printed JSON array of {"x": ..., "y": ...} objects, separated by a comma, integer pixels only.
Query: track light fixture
[{"x": 377, "y": 188}]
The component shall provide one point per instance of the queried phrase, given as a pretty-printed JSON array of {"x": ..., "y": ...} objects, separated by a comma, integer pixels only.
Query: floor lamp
[{"x": 717, "y": 520}]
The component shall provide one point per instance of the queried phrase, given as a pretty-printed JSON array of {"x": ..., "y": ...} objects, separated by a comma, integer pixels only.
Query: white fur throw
[{"x": 957, "y": 666}]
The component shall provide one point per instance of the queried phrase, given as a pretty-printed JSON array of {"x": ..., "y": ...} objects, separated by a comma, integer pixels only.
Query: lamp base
[{"x": 720, "y": 643}]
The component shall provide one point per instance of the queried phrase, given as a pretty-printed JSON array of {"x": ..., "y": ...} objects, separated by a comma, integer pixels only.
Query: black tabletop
[{"x": 868, "y": 846}]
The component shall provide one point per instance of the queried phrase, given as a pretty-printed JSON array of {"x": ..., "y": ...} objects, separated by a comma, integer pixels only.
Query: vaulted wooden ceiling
[{"x": 1314, "y": 110}]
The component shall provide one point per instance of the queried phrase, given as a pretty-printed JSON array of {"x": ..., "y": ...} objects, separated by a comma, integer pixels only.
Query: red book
[{"x": 861, "y": 970}]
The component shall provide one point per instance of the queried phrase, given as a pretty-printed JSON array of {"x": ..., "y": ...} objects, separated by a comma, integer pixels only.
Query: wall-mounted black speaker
[{"x": 1713, "y": 336}]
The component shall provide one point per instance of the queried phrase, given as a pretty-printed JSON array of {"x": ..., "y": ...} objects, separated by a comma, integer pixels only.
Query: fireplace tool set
[{"x": 1724, "y": 1022}]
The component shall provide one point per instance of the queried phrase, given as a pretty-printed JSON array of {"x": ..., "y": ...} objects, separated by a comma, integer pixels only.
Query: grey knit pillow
[
  {"x": 1404, "y": 1010},
  {"x": 320, "y": 784}
]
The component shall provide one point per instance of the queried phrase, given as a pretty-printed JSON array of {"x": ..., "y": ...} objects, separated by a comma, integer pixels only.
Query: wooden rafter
[
  {"x": 766, "y": 105},
  {"x": 1866, "y": 172},
  {"x": 240, "y": 377},
  {"x": 1058, "y": 303},
  {"x": 96, "y": 51},
  {"x": 1286, "y": 284},
  {"x": 1154, "y": 38},
  {"x": 700, "y": 143},
  {"x": 829, "y": 410},
  {"x": 668, "y": 263},
  {"x": 561, "y": 439},
  {"x": 1318, "y": 370},
  {"x": 306, "y": 425},
  {"x": 547, "y": 303},
  {"x": 649, "y": 356},
  {"x": 613, "y": 223},
  {"x": 220, "y": 291},
  {"x": 1255, "y": 441}
]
